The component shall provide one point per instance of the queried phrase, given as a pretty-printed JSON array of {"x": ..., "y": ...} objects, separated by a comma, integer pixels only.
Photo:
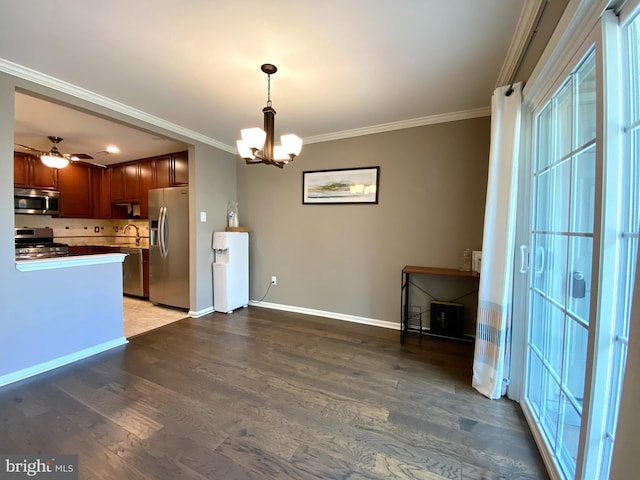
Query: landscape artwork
[{"x": 347, "y": 185}]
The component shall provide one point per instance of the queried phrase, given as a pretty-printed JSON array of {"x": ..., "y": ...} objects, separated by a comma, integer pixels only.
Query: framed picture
[
  {"x": 344, "y": 185},
  {"x": 476, "y": 261}
]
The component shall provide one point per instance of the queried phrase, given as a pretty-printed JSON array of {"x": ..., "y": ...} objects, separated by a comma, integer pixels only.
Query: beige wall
[{"x": 347, "y": 259}]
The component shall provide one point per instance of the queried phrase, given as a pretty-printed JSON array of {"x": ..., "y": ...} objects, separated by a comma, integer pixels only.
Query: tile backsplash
[{"x": 69, "y": 229}]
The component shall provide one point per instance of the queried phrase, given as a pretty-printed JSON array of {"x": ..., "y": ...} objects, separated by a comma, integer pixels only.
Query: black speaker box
[{"x": 446, "y": 319}]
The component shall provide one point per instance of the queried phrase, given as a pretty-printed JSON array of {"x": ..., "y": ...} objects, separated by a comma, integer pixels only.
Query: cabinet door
[
  {"x": 30, "y": 172},
  {"x": 44, "y": 177},
  {"x": 101, "y": 194},
  {"x": 20, "y": 170},
  {"x": 132, "y": 182},
  {"x": 162, "y": 170},
  {"x": 75, "y": 191},
  {"x": 79, "y": 250},
  {"x": 180, "y": 169},
  {"x": 146, "y": 182},
  {"x": 116, "y": 173}
]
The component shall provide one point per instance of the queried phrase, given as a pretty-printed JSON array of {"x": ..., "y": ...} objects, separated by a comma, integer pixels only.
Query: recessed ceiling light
[{"x": 113, "y": 149}]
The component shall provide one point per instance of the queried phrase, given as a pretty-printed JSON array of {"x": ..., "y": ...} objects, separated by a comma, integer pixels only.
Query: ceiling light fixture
[
  {"x": 54, "y": 159},
  {"x": 257, "y": 144}
]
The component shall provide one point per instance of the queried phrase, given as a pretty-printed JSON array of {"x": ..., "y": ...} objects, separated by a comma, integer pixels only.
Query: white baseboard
[
  {"x": 60, "y": 361},
  {"x": 199, "y": 313},
  {"x": 321, "y": 313}
]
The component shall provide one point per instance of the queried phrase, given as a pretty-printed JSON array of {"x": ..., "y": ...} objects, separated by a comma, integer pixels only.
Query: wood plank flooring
[{"x": 264, "y": 394}]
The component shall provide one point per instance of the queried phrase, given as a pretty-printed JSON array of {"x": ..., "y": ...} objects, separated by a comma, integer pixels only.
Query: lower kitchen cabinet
[{"x": 75, "y": 250}]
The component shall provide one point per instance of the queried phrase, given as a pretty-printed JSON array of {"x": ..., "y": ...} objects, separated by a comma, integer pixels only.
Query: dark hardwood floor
[{"x": 265, "y": 394}]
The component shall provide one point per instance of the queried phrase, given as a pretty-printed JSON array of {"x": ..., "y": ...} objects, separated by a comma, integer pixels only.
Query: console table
[{"x": 409, "y": 270}]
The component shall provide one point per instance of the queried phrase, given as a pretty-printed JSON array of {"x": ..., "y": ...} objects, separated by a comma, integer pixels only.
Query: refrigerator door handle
[
  {"x": 161, "y": 232},
  {"x": 165, "y": 232}
]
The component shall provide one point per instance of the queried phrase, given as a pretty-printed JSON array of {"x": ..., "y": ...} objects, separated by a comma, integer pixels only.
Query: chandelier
[{"x": 257, "y": 145}]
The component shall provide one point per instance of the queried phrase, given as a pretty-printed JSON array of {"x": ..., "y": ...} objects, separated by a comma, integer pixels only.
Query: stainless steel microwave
[{"x": 36, "y": 202}]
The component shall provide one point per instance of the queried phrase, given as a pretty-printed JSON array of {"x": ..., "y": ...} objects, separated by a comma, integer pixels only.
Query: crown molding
[
  {"x": 524, "y": 28},
  {"x": 83, "y": 94},
  {"x": 414, "y": 122},
  {"x": 575, "y": 25},
  {"x": 48, "y": 81}
]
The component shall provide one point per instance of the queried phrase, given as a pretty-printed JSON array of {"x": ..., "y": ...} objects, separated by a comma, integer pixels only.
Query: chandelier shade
[{"x": 257, "y": 144}]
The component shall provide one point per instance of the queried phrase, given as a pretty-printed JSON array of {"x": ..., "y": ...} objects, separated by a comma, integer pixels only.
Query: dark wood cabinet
[
  {"x": 180, "y": 169},
  {"x": 92, "y": 192},
  {"x": 125, "y": 179},
  {"x": 80, "y": 250},
  {"x": 132, "y": 182},
  {"x": 116, "y": 183},
  {"x": 20, "y": 171},
  {"x": 146, "y": 182},
  {"x": 30, "y": 172},
  {"x": 101, "y": 194},
  {"x": 75, "y": 191},
  {"x": 162, "y": 172}
]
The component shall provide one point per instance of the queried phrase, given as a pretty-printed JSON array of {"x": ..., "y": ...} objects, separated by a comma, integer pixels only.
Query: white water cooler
[{"x": 230, "y": 271}]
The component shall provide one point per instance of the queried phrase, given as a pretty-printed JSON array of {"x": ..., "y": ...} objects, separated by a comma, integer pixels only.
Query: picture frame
[
  {"x": 476, "y": 261},
  {"x": 341, "y": 186}
]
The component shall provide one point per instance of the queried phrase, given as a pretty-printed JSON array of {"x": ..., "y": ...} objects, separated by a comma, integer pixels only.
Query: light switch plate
[{"x": 203, "y": 216}]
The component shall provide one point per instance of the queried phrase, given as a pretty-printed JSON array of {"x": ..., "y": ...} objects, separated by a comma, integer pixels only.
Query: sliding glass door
[
  {"x": 582, "y": 239},
  {"x": 562, "y": 252}
]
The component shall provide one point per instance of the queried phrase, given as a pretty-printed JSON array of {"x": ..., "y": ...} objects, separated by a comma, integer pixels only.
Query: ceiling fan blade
[
  {"x": 27, "y": 147},
  {"x": 82, "y": 156},
  {"x": 95, "y": 164}
]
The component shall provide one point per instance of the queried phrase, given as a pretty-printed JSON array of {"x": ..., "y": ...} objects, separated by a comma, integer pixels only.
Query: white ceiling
[{"x": 342, "y": 64}]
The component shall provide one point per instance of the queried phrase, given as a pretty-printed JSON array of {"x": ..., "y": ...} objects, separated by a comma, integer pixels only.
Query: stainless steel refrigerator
[{"x": 169, "y": 246}]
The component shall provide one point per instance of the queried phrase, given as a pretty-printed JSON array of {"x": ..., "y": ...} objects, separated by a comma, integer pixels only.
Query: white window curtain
[{"x": 493, "y": 330}]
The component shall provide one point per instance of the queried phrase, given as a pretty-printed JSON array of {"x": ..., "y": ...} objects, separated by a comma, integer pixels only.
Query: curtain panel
[{"x": 493, "y": 330}]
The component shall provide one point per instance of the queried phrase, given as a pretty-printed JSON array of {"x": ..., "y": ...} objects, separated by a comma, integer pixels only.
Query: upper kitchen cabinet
[
  {"x": 146, "y": 182},
  {"x": 30, "y": 172},
  {"x": 160, "y": 172},
  {"x": 101, "y": 193},
  {"x": 75, "y": 191},
  {"x": 125, "y": 182},
  {"x": 180, "y": 169}
]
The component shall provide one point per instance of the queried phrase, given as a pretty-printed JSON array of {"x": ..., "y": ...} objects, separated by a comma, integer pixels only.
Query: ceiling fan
[{"x": 53, "y": 158}]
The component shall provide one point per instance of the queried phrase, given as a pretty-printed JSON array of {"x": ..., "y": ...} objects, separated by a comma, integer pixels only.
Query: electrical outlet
[
  {"x": 96, "y": 229},
  {"x": 274, "y": 281}
]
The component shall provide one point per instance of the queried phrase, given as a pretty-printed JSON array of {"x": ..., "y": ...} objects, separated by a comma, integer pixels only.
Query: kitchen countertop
[{"x": 129, "y": 243}]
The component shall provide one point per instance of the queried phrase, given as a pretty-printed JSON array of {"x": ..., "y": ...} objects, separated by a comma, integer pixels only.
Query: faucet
[{"x": 127, "y": 226}]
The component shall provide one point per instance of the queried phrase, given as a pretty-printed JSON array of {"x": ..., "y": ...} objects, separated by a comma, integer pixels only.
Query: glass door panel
[
  {"x": 576, "y": 361},
  {"x": 583, "y": 195},
  {"x": 562, "y": 242},
  {"x": 580, "y": 277}
]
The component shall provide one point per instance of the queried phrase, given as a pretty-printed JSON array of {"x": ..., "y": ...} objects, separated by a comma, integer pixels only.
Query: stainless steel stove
[{"x": 33, "y": 243}]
